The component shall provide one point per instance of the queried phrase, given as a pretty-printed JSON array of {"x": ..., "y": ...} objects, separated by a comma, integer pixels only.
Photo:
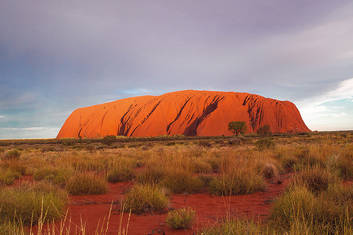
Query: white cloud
[
  {"x": 319, "y": 112},
  {"x": 28, "y": 132},
  {"x": 2, "y": 116}
]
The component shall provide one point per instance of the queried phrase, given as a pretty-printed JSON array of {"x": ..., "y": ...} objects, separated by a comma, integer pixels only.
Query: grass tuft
[
  {"x": 26, "y": 203},
  {"x": 13, "y": 154},
  {"x": 120, "y": 174},
  {"x": 83, "y": 184},
  {"x": 181, "y": 181},
  {"x": 181, "y": 218},
  {"x": 237, "y": 182},
  {"x": 145, "y": 199},
  {"x": 314, "y": 179}
]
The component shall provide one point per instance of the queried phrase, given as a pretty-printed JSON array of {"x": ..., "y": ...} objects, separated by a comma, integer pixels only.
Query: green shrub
[
  {"x": 263, "y": 144},
  {"x": 145, "y": 199},
  {"x": 237, "y": 182},
  {"x": 181, "y": 218},
  {"x": 237, "y": 127},
  {"x": 83, "y": 184},
  {"x": 26, "y": 203},
  {"x": 181, "y": 181},
  {"x": 13, "y": 154}
]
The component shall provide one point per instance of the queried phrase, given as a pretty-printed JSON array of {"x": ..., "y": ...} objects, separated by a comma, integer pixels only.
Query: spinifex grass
[
  {"x": 237, "y": 182},
  {"x": 181, "y": 218},
  {"x": 82, "y": 184},
  {"x": 145, "y": 199},
  {"x": 25, "y": 203}
]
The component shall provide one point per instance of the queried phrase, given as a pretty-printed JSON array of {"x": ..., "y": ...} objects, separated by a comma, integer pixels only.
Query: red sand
[
  {"x": 91, "y": 210},
  {"x": 190, "y": 113}
]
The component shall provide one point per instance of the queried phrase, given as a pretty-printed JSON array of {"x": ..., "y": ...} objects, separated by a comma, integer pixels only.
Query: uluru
[{"x": 189, "y": 112}]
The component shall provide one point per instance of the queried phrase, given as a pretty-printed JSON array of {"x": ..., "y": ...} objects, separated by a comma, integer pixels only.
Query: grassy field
[{"x": 317, "y": 200}]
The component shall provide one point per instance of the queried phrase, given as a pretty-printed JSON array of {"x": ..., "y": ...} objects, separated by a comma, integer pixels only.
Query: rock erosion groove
[{"x": 201, "y": 113}]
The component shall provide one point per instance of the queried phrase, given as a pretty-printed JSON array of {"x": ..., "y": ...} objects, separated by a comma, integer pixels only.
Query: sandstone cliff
[{"x": 201, "y": 113}]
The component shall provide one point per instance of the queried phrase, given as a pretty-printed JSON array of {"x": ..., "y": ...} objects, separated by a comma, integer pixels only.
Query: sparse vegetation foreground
[{"x": 39, "y": 182}]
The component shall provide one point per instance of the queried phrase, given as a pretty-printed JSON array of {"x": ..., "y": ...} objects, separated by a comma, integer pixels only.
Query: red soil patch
[{"x": 92, "y": 209}]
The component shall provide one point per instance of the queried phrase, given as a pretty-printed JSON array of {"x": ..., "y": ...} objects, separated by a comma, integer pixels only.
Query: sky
[{"x": 56, "y": 56}]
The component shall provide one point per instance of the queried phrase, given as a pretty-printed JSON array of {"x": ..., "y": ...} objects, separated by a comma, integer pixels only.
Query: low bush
[
  {"x": 13, "y": 154},
  {"x": 90, "y": 164},
  {"x": 28, "y": 203},
  {"x": 310, "y": 158},
  {"x": 18, "y": 166},
  {"x": 120, "y": 174},
  {"x": 151, "y": 175},
  {"x": 206, "y": 180},
  {"x": 145, "y": 199},
  {"x": 201, "y": 166},
  {"x": 181, "y": 218},
  {"x": 269, "y": 170},
  {"x": 205, "y": 143},
  {"x": 83, "y": 184},
  {"x": 314, "y": 179},
  {"x": 345, "y": 167},
  {"x": 234, "y": 226},
  {"x": 289, "y": 162},
  {"x": 181, "y": 181},
  {"x": 341, "y": 195},
  {"x": 8, "y": 177},
  {"x": 215, "y": 163},
  {"x": 237, "y": 182},
  {"x": 300, "y": 206},
  {"x": 263, "y": 144},
  {"x": 109, "y": 139},
  {"x": 11, "y": 228},
  {"x": 53, "y": 175},
  {"x": 264, "y": 131}
]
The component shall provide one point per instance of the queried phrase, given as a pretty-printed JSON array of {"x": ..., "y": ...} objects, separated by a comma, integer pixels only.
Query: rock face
[{"x": 190, "y": 113}]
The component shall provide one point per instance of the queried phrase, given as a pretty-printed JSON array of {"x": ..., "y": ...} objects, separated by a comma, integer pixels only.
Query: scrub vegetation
[{"x": 38, "y": 177}]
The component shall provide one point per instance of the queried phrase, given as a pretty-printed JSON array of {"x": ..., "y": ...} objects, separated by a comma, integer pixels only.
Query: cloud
[
  {"x": 137, "y": 91},
  {"x": 344, "y": 90},
  {"x": 56, "y": 56},
  {"x": 331, "y": 110},
  {"x": 28, "y": 132}
]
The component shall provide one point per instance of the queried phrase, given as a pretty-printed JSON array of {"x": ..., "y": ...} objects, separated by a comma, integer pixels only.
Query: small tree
[
  {"x": 237, "y": 127},
  {"x": 264, "y": 130}
]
